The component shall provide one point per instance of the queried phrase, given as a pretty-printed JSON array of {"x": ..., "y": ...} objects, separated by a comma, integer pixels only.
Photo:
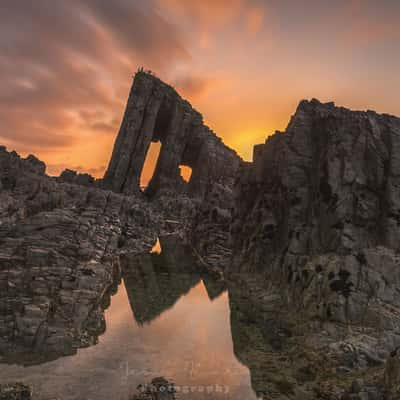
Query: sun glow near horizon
[{"x": 244, "y": 64}]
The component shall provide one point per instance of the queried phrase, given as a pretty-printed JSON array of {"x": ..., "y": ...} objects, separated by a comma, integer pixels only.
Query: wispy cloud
[{"x": 66, "y": 67}]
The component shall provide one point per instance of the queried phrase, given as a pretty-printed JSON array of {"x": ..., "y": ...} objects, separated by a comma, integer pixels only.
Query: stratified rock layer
[
  {"x": 59, "y": 245},
  {"x": 155, "y": 112}
]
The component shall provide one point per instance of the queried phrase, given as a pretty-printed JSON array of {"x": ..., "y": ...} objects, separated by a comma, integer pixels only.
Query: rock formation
[
  {"x": 311, "y": 250},
  {"x": 315, "y": 233},
  {"x": 320, "y": 207},
  {"x": 15, "y": 391},
  {"x": 155, "y": 112},
  {"x": 59, "y": 246}
]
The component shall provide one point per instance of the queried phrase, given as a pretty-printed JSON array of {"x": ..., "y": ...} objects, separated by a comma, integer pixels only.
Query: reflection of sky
[{"x": 190, "y": 344}]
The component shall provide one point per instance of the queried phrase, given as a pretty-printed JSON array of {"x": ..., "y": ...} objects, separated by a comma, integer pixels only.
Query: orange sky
[{"x": 66, "y": 67}]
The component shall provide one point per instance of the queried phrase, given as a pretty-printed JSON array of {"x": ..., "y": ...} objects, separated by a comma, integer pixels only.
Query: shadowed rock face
[
  {"x": 330, "y": 183},
  {"x": 155, "y": 112},
  {"x": 318, "y": 209},
  {"x": 294, "y": 358},
  {"x": 59, "y": 245},
  {"x": 315, "y": 236}
]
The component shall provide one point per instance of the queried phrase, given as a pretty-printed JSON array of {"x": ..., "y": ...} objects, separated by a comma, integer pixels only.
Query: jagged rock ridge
[
  {"x": 329, "y": 183},
  {"x": 315, "y": 235},
  {"x": 322, "y": 201}
]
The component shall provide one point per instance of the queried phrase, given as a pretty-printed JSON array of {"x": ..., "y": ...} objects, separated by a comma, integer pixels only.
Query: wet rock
[
  {"x": 210, "y": 228},
  {"x": 69, "y": 176},
  {"x": 59, "y": 258},
  {"x": 158, "y": 389},
  {"x": 315, "y": 236},
  {"x": 16, "y": 391},
  {"x": 392, "y": 372}
]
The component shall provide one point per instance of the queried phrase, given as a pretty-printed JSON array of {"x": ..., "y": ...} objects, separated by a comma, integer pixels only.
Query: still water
[{"x": 163, "y": 321}]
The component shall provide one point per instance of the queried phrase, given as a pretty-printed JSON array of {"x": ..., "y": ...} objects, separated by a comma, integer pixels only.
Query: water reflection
[
  {"x": 156, "y": 281},
  {"x": 38, "y": 329},
  {"x": 262, "y": 344},
  {"x": 180, "y": 330}
]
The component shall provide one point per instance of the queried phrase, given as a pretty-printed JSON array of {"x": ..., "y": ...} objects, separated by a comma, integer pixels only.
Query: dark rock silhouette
[
  {"x": 214, "y": 287},
  {"x": 311, "y": 250},
  {"x": 330, "y": 183},
  {"x": 155, "y": 112},
  {"x": 70, "y": 176},
  {"x": 155, "y": 282},
  {"x": 295, "y": 358}
]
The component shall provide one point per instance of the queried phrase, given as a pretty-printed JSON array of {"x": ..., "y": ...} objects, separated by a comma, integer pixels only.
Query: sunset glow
[{"x": 245, "y": 64}]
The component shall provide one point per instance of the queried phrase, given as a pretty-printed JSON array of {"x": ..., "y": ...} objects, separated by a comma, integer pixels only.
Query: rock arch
[{"x": 156, "y": 112}]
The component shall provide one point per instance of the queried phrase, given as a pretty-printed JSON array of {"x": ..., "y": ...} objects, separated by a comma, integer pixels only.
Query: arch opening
[
  {"x": 185, "y": 172},
  {"x": 150, "y": 164}
]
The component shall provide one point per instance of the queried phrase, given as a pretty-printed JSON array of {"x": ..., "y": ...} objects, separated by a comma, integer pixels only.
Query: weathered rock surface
[
  {"x": 59, "y": 246},
  {"x": 293, "y": 357},
  {"x": 316, "y": 231},
  {"x": 60, "y": 238},
  {"x": 311, "y": 249},
  {"x": 15, "y": 391},
  {"x": 155, "y": 112},
  {"x": 70, "y": 176}
]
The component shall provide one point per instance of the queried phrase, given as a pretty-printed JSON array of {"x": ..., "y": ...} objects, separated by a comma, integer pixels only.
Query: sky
[{"x": 66, "y": 67}]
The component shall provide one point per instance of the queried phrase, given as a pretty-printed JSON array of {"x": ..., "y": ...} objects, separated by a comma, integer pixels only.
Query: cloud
[
  {"x": 66, "y": 67},
  {"x": 207, "y": 13},
  {"x": 369, "y": 23},
  {"x": 194, "y": 86},
  {"x": 255, "y": 19}
]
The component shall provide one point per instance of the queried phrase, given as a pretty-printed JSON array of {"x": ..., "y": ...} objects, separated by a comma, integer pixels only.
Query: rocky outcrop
[
  {"x": 70, "y": 176},
  {"x": 59, "y": 246},
  {"x": 293, "y": 357},
  {"x": 16, "y": 391},
  {"x": 155, "y": 112},
  {"x": 209, "y": 230},
  {"x": 311, "y": 250},
  {"x": 319, "y": 209},
  {"x": 315, "y": 235}
]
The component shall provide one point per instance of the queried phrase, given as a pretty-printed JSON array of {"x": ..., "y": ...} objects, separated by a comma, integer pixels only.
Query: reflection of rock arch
[
  {"x": 155, "y": 112},
  {"x": 155, "y": 282}
]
